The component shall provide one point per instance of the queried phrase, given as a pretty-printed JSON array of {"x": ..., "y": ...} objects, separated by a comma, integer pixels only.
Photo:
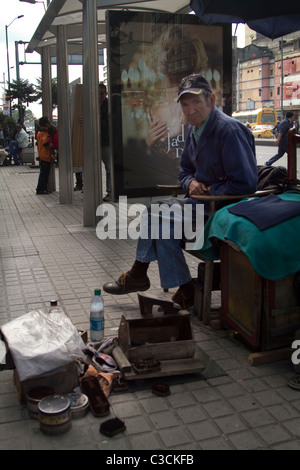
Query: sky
[{"x": 23, "y": 29}]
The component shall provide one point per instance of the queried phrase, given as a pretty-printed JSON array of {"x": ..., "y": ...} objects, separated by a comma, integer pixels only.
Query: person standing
[
  {"x": 45, "y": 152},
  {"x": 22, "y": 139},
  {"x": 103, "y": 101},
  {"x": 282, "y": 138},
  {"x": 19, "y": 142},
  {"x": 104, "y": 129}
]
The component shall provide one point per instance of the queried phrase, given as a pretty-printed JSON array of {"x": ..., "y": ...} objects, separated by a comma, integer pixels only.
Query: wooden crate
[
  {"x": 264, "y": 313},
  {"x": 159, "y": 337},
  {"x": 62, "y": 380}
]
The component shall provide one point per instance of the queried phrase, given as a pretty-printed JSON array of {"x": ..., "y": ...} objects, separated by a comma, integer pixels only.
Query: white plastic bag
[{"x": 40, "y": 341}]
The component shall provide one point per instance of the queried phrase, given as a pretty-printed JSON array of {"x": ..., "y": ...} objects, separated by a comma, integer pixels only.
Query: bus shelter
[{"x": 70, "y": 26}]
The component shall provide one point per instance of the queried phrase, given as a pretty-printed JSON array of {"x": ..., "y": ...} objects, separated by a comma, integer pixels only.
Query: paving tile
[
  {"x": 177, "y": 436},
  {"x": 164, "y": 419},
  {"x": 203, "y": 430},
  {"x": 273, "y": 433},
  {"x": 247, "y": 440},
  {"x": 218, "y": 408},
  {"x": 231, "y": 424}
]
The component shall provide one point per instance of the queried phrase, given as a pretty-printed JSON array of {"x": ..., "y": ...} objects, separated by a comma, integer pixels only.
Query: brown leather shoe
[
  {"x": 184, "y": 296},
  {"x": 126, "y": 284}
]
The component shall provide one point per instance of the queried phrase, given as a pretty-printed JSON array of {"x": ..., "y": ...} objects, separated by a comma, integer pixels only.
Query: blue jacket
[
  {"x": 283, "y": 129},
  {"x": 223, "y": 159}
]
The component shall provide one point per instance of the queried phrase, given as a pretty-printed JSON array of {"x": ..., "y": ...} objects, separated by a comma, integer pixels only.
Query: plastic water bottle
[{"x": 97, "y": 317}]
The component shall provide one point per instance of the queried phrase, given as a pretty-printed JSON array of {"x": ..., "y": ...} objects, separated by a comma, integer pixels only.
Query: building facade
[{"x": 266, "y": 73}]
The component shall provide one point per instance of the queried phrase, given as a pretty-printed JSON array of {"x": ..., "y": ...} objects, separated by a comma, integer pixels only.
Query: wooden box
[
  {"x": 264, "y": 313},
  {"x": 159, "y": 337},
  {"x": 27, "y": 155},
  {"x": 62, "y": 380}
]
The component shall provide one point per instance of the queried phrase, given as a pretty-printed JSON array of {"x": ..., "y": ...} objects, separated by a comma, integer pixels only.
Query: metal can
[
  {"x": 34, "y": 396},
  {"x": 79, "y": 404},
  {"x": 55, "y": 415}
]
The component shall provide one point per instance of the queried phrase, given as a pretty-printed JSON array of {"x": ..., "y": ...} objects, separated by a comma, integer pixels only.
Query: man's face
[{"x": 196, "y": 108}]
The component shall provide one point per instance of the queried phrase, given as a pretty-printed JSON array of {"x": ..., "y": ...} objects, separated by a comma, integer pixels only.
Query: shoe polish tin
[
  {"x": 55, "y": 414},
  {"x": 33, "y": 398},
  {"x": 79, "y": 404}
]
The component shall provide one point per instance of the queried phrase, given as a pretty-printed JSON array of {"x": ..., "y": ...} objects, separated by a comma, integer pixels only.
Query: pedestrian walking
[{"x": 282, "y": 138}]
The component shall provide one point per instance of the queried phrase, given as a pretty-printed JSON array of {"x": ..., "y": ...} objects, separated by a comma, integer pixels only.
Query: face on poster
[{"x": 148, "y": 55}]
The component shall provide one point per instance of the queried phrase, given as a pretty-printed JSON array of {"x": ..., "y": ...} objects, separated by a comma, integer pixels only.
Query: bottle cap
[{"x": 97, "y": 292}]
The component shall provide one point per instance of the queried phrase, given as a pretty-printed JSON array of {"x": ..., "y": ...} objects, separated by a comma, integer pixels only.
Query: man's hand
[
  {"x": 158, "y": 129},
  {"x": 196, "y": 188}
]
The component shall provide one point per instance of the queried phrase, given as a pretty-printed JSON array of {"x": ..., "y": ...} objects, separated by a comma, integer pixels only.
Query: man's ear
[{"x": 212, "y": 100}]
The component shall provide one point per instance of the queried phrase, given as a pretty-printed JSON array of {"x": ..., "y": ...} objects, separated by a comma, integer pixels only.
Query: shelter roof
[{"x": 69, "y": 13}]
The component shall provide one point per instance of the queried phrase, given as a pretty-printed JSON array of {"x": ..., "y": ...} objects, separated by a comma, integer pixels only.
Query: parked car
[{"x": 262, "y": 132}]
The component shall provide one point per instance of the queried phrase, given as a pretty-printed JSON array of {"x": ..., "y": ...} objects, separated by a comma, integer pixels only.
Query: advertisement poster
[{"x": 148, "y": 54}]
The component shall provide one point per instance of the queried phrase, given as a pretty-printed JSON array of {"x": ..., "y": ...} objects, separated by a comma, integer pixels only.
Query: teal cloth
[{"x": 274, "y": 253}]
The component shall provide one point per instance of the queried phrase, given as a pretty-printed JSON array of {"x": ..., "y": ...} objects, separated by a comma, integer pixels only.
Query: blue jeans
[
  {"x": 13, "y": 150},
  {"x": 45, "y": 168},
  {"x": 276, "y": 157},
  {"x": 173, "y": 269}
]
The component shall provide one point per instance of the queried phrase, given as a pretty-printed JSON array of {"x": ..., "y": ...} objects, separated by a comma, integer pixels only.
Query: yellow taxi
[{"x": 263, "y": 132}]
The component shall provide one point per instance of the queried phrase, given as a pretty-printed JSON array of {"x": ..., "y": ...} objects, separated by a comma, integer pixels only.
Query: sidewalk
[{"x": 46, "y": 254}]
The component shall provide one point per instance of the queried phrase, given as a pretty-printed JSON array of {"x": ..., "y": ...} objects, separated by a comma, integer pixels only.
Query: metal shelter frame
[{"x": 72, "y": 26}]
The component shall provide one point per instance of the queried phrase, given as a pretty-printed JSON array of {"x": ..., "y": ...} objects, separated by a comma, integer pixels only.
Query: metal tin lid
[
  {"x": 79, "y": 404},
  {"x": 78, "y": 401},
  {"x": 54, "y": 405}
]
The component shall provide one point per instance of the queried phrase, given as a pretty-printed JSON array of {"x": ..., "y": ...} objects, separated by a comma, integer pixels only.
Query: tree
[
  {"x": 8, "y": 126},
  {"x": 24, "y": 92},
  {"x": 53, "y": 91}
]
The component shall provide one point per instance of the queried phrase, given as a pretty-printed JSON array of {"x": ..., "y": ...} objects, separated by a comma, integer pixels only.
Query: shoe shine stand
[{"x": 165, "y": 337}]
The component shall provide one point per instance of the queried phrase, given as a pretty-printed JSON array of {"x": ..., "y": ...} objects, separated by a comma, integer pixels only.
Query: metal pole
[
  {"x": 47, "y": 102},
  {"x": 281, "y": 43},
  {"x": 8, "y": 71},
  {"x": 92, "y": 193},
  {"x": 18, "y": 78},
  {"x": 66, "y": 194}
]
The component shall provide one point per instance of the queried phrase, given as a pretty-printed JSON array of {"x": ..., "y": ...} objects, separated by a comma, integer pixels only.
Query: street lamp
[
  {"x": 281, "y": 42},
  {"x": 8, "y": 70},
  {"x": 34, "y": 2}
]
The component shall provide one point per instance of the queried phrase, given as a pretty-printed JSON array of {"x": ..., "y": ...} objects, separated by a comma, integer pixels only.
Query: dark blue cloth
[{"x": 267, "y": 211}]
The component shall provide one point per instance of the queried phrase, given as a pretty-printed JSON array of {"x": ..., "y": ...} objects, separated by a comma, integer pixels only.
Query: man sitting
[{"x": 218, "y": 159}]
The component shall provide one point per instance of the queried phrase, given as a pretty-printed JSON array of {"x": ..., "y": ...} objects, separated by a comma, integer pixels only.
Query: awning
[{"x": 69, "y": 13}]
